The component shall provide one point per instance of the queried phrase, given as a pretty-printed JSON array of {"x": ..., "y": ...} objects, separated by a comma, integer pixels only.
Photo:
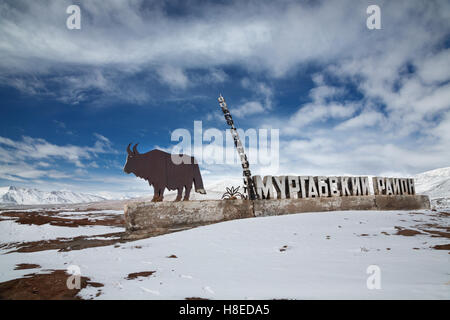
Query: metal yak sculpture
[{"x": 159, "y": 170}]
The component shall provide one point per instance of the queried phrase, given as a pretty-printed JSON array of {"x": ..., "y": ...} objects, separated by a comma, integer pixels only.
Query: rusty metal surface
[{"x": 161, "y": 172}]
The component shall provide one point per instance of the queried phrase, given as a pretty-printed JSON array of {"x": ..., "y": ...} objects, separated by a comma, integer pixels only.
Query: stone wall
[{"x": 158, "y": 217}]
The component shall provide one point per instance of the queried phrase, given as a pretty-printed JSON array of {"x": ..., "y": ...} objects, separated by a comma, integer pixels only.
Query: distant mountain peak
[
  {"x": 13, "y": 195},
  {"x": 436, "y": 184}
]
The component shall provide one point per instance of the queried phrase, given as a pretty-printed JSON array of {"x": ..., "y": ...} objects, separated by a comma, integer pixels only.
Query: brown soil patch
[
  {"x": 442, "y": 231},
  {"x": 436, "y": 226},
  {"x": 406, "y": 232},
  {"x": 135, "y": 275},
  {"x": 80, "y": 242},
  {"x": 50, "y": 286},
  {"x": 436, "y": 233},
  {"x": 442, "y": 246},
  {"x": 440, "y": 228},
  {"x": 411, "y": 213},
  {"x": 66, "y": 244},
  {"x": 195, "y": 298},
  {"x": 172, "y": 256},
  {"x": 24, "y": 266},
  {"x": 49, "y": 217}
]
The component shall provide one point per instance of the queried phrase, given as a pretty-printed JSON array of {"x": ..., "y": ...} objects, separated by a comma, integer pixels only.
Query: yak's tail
[{"x": 198, "y": 182}]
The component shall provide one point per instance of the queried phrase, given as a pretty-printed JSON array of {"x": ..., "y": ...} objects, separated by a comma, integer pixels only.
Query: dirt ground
[
  {"x": 51, "y": 217},
  {"x": 431, "y": 229},
  {"x": 48, "y": 286}
]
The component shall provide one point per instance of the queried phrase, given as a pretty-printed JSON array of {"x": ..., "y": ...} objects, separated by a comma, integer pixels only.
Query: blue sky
[{"x": 347, "y": 100}]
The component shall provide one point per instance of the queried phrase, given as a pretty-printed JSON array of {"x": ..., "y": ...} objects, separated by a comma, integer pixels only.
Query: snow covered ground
[{"x": 300, "y": 256}]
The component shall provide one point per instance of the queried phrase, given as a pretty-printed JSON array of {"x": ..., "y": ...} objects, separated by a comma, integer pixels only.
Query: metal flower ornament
[{"x": 232, "y": 194}]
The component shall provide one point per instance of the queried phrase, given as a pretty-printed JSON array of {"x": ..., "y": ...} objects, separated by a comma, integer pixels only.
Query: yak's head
[{"x": 132, "y": 160}]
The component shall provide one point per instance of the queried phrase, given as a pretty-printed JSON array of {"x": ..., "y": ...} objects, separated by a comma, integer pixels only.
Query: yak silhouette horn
[
  {"x": 128, "y": 148},
  {"x": 135, "y": 149}
]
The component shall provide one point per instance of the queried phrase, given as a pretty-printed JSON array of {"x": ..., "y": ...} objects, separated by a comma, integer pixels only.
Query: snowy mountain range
[
  {"x": 24, "y": 196},
  {"x": 434, "y": 183}
]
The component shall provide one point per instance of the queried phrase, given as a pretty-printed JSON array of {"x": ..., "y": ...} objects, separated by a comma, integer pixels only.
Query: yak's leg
[
  {"x": 156, "y": 191},
  {"x": 179, "y": 194},
  {"x": 187, "y": 192},
  {"x": 161, "y": 194}
]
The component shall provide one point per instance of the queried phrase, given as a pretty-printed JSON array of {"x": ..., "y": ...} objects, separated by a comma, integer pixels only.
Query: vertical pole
[{"x": 249, "y": 188}]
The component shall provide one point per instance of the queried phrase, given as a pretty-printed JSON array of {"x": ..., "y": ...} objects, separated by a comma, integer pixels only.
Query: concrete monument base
[{"x": 159, "y": 217}]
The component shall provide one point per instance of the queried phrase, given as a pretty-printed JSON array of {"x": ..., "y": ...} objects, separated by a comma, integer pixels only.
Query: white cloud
[
  {"x": 442, "y": 131},
  {"x": 262, "y": 99},
  {"x": 216, "y": 76},
  {"x": 24, "y": 159},
  {"x": 273, "y": 38},
  {"x": 316, "y": 112},
  {"x": 43, "y": 164},
  {"x": 248, "y": 108},
  {"x": 174, "y": 77},
  {"x": 134, "y": 35},
  {"x": 365, "y": 119},
  {"x": 400, "y": 119},
  {"x": 261, "y": 91},
  {"x": 431, "y": 69}
]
